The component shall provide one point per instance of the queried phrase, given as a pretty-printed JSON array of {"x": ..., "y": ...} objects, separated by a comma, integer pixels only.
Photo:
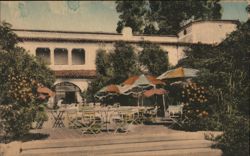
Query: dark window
[
  {"x": 78, "y": 56},
  {"x": 61, "y": 56},
  {"x": 185, "y": 32},
  {"x": 43, "y": 54}
]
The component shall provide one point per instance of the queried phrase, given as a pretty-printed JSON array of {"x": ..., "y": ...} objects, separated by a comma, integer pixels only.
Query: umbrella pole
[
  {"x": 164, "y": 104},
  {"x": 142, "y": 97},
  {"x": 138, "y": 101},
  {"x": 142, "y": 100},
  {"x": 156, "y": 99}
]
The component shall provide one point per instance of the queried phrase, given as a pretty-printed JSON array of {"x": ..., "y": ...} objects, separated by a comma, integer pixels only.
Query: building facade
[{"x": 71, "y": 55}]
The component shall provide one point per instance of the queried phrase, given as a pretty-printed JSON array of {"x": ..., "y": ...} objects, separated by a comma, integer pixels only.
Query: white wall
[
  {"x": 188, "y": 37},
  {"x": 211, "y": 32},
  {"x": 205, "y": 32}
]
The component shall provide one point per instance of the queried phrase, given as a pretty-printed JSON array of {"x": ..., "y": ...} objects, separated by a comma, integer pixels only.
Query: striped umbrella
[
  {"x": 106, "y": 91},
  {"x": 152, "y": 92},
  {"x": 160, "y": 91},
  {"x": 45, "y": 90},
  {"x": 179, "y": 73},
  {"x": 136, "y": 85}
]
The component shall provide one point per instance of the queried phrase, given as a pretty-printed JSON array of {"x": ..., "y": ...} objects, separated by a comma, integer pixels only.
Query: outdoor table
[
  {"x": 138, "y": 113},
  {"x": 110, "y": 115},
  {"x": 105, "y": 114},
  {"x": 58, "y": 118}
]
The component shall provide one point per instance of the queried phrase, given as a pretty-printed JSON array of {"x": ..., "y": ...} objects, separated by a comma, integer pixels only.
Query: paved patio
[{"x": 64, "y": 133}]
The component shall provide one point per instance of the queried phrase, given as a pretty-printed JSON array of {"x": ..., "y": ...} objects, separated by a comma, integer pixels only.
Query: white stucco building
[{"x": 71, "y": 55}]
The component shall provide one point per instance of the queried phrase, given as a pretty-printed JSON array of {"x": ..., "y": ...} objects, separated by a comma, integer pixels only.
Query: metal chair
[
  {"x": 116, "y": 105},
  {"x": 90, "y": 123},
  {"x": 174, "y": 115},
  {"x": 123, "y": 120},
  {"x": 150, "y": 115},
  {"x": 72, "y": 115}
]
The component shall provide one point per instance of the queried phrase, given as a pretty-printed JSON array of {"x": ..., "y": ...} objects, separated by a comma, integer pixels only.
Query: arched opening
[
  {"x": 68, "y": 92},
  {"x": 78, "y": 56},
  {"x": 43, "y": 54},
  {"x": 61, "y": 56}
]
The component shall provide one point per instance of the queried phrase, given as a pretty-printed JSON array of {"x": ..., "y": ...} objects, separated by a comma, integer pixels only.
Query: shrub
[
  {"x": 196, "y": 109},
  {"x": 21, "y": 75},
  {"x": 235, "y": 140}
]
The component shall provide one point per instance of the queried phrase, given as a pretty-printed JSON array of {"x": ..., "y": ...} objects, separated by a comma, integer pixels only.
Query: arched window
[
  {"x": 44, "y": 54},
  {"x": 78, "y": 56},
  {"x": 61, "y": 56}
]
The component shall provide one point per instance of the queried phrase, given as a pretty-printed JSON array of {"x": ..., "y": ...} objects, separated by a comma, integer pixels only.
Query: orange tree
[
  {"x": 21, "y": 74},
  {"x": 196, "y": 107}
]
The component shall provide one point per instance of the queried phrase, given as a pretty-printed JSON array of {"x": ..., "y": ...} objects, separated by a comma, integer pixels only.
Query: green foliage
[
  {"x": 248, "y": 8},
  {"x": 113, "y": 67},
  {"x": 117, "y": 65},
  {"x": 132, "y": 14},
  {"x": 40, "y": 114},
  {"x": 8, "y": 39},
  {"x": 196, "y": 107},
  {"x": 123, "y": 61},
  {"x": 235, "y": 140},
  {"x": 21, "y": 74},
  {"x": 16, "y": 120},
  {"x": 153, "y": 58},
  {"x": 224, "y": 70},
  {"x": 170, "y": 14},
  {"x": 195, "y": 101},
  {"x": 164, "y": 17},
  {"x": 102, "y": 63},
  {"x": 104, "y": 72}
]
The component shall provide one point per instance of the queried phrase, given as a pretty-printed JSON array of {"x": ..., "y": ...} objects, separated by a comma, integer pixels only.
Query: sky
[{"x": 91, "y": 16}]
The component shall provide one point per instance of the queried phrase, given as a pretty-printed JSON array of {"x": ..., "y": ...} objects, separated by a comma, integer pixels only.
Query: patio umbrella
[
  {"x": 152, "y": 92},
  {"x": 160, "y": 91},
  {"x": 109, "y": 90},
  {"x": 42, "y": 97},
  {"x": 179, "y": 73},
  {"x": 45, "y": 90},
  {"x": 137, "y": 84}
]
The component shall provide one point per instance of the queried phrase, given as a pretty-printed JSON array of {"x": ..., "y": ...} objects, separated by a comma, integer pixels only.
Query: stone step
[
  {"x": 115, "y": 139},
  {"x": 178, "y": 152},
  {"x": 121, "y": 148}
]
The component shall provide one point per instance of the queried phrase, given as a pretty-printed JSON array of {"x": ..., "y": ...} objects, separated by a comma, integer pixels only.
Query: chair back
[
  {"x": 88, "y": 115},
  {"x": 125, "y": 114},
  {"x": 116, "y": 105},
  {"x": 154, "y": 111},
  {"x": 97, "y": 104},
  {"x": 174, "y": 111},
  {"x": 71, "y": 115},
  {"x": 91, "y": 104}
]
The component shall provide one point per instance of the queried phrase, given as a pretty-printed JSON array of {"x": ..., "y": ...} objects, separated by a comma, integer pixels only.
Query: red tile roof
[{"x": 75, "y": 73}]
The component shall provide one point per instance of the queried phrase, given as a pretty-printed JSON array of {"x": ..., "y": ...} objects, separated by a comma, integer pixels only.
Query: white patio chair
[
  {"x": 72, "y": 118},
  {"x": 90, "y": 123},
  {"x": 174, "y": 115},
  {"x": 116, "y": 105},
  {"x": 150, "y": 115},
  {"x": 123, "y": 120}
]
